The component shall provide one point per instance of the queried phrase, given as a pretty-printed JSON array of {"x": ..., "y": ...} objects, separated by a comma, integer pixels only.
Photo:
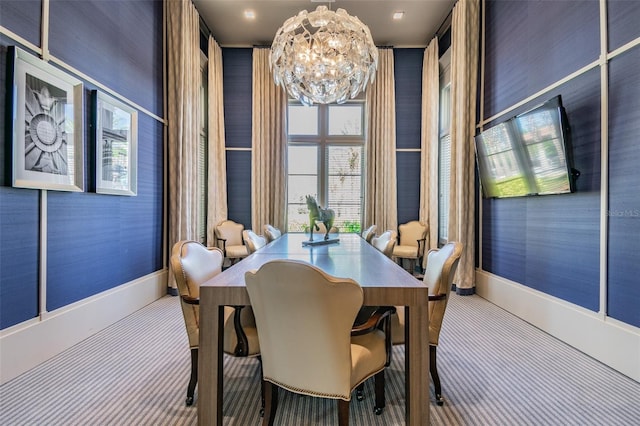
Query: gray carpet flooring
[{"x": 495, "y": 370}]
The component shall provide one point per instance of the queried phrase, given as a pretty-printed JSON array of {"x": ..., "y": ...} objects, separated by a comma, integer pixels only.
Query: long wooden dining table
[{"x": 384, "y": 283}]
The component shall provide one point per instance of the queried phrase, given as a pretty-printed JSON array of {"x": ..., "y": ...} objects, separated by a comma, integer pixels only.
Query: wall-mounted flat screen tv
[{"x": 528, "y": 154}]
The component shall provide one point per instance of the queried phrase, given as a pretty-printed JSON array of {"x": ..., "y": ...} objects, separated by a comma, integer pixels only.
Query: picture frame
[
  {"x": 45, "y": 119},
  {"x": 115, "y": 139}
]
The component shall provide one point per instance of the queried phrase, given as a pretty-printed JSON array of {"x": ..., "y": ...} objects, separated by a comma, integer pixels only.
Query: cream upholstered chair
[
  {"x": 192, "y": 265},
  {"x": 253, "y": 241},
  {"x": 229, "y": 233},
  {"x": 385, "y": 242},
  {"x": 369, "y": 233},
  {"x": 271, "y": 232},
  {"x": 438, "y": 276},
  {"x": 307, "y": 346},
  {"x": 411, "y": 244}
]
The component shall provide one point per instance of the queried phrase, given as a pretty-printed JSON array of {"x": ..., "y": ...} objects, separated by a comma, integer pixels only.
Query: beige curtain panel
[
  {"x": 217, "y": 170},
  {"x": 429, "y": 143},
  {"x": 464, "y": 69},
  {"x": 183, "y": 92},
  {"x": 381, "y": 192},
  {"x": 269, "y": 147}
]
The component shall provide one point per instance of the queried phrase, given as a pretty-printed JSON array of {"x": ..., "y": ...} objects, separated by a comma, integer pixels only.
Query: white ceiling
[{"x": 228, "y": 26}]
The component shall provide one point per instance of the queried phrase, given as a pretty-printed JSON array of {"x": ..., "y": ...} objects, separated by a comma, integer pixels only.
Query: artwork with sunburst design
[
  {"x": 45, "y": 137},
  {"x": 46, "y": 124}
]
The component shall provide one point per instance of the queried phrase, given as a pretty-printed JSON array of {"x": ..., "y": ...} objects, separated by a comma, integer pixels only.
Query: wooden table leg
[
  {"x": 417, "y": 364},
  {"x": 210, "y": 362}
]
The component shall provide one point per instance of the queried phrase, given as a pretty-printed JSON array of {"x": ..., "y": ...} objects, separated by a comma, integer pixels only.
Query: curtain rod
[
  {"x": 204, "y": 28},
  {"x": 267, "y": 46},
  {"x": 446, "y": 24}
]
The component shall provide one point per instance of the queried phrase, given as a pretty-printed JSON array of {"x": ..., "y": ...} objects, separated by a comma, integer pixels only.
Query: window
[
  {"x": 444, "y": 149},
  {"x": 203, "y": 152},
  {"x": 325, "y": 160}
]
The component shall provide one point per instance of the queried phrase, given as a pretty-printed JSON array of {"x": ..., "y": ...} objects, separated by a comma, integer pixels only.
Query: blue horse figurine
[{"x": 318, "y": 214}]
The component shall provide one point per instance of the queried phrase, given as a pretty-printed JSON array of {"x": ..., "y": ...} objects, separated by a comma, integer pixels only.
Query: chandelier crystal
[{"x": 323, "y": 56}]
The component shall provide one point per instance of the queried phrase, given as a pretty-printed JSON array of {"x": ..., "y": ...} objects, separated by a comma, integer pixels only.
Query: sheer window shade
[
  {"x": 444, "y": 154},
  {"x": 202, "y": 157},
  {"x": 345, "y": 186}
]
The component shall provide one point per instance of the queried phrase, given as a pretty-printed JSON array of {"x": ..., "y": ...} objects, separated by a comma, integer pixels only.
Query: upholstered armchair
[
  {"x": 385, "y": 242},
  {"x": 194, "y": 264},
  {"x": 308, "y": 346},
  {"x": 411, "y": 243},
  {"x": 229, "y": 235},
  {"x": 272, "y": 233},
  {"x": 369, "y": 233},
  {"x": 253, "y": 241},
  {"x": 438, "y": 276}
]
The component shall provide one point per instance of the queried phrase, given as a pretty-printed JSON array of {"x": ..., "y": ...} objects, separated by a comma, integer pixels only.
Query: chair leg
[
  {"x": 343, "y": 412},
  {"x": 380, "y": 398},
  {"x": 433, "y": 368},
  {"x": 271, "y": 403},
  {"x": 360, "y": 392},
  {"x": 261, "y": 387},
  {"x": 194, "y": 377}
]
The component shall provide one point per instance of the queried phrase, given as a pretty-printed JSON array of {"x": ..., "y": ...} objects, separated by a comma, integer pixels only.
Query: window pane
[
  {"x": 303, "y": 160},
  {"x": 347, "y": 218},
  {"x": 345, "y": 120},
  {"x": 300, "y": 186},
  {"x": 444, "y": 171},
  {"x": 202, "y": 189},
  {"x": 345, "y": 160},
  {"x": 345, "y": 186},
  {"x": 302, "y": 120},
  {"x": 345, "y": 175},
  {"x": 202, "y": 159},
  {"x": 344, "y": 189},
  {"x": 445, "y": 110},
  {"x": 297, "y": 217}
]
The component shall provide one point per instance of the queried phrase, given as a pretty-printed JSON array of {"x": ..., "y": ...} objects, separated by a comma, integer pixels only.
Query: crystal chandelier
[{"x": 323, "y": 56}]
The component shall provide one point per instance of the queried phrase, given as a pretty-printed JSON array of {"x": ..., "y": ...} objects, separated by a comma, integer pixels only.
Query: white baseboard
[
  {"x": 611, "y": 342},
  {"x": 28, "y": 344}
]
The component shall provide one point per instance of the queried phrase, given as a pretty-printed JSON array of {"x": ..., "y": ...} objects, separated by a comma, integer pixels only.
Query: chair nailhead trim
[{"x": 306, "y": 392}]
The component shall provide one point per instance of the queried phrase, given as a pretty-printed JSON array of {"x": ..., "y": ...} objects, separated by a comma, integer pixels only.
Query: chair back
[
  {"x": 193, "y": 264},
  {"x": 272, "y": 233},
  {"x": 230, "y": 231},
  {"x": 385, "y": 242},
  {"x": 411, "y": 232},
  {"x": 304, "y": 318},
  {"x": 253, "y": 241},
  {"x": 438, "y": 276},
  {"x": 369, "y": 233}
]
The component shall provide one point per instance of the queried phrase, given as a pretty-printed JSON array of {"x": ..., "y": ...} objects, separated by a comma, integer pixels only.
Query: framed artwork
[
  {"x": 116, "y": 145},
  {"x": 45, "y": 123}
]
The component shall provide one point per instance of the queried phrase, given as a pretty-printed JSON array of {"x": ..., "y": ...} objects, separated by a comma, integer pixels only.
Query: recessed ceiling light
[
  {"x": 250, "y": 14},
  {"x": 398, "y": 15}
]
